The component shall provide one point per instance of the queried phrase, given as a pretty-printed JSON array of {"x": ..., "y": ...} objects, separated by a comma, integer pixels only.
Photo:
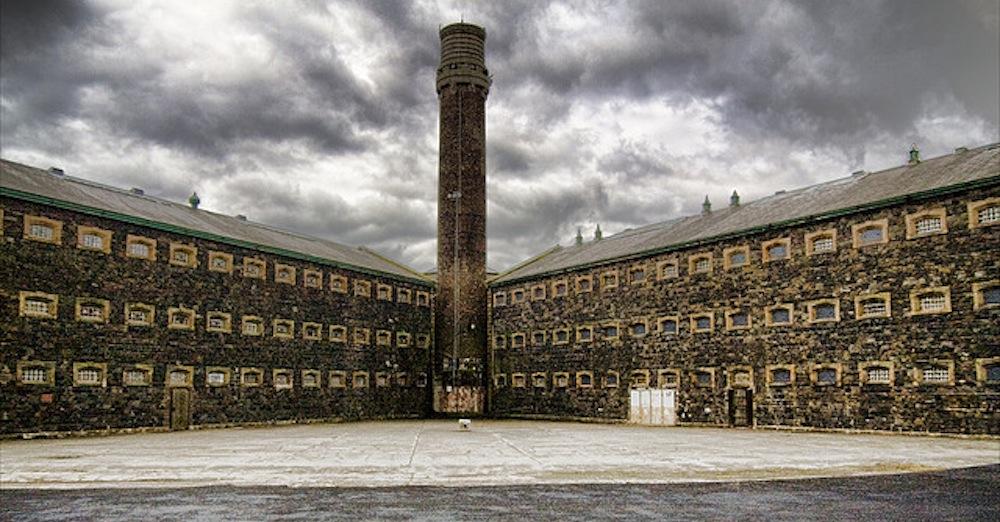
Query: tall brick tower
[{"x": 460, "y": 362}]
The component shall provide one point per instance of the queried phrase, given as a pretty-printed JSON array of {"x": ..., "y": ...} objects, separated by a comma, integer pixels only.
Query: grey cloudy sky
[{"x": 321, "y": 117}]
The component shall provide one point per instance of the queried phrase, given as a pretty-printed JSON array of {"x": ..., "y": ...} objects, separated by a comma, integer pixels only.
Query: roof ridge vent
[
  {"x": 241, "y": 217},
  {"x": 137, "y": 191},
  {"x": 779, "y": 192},
  {"x": 959, "y": 150},
  {"x": 857, "y": 173},
  {"x": 56, "y": 171}
]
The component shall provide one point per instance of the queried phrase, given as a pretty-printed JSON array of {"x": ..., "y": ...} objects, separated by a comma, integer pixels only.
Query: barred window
[
  {"x": 137, "y": 316},
  {"x": 936, "y": 375},
  {"x": 584, "y": 284},
  {"x": 878, "y": 375},
  {"x": 92, "y": 311},
  {"x": 40, "y": 231},
  {"x": 282, "y": 379},
  {"x": 933, "y": 302},
  {"x": 928, "y": 225},
  {"x": 137, "y": 249},
  {"x": 251, "y": 378},
  {"x": 668, "y": 269},
  {"x": 989, "y": 214},
  {"x": 34, "y": 375},
  {"x": 822, "y": 244},
  {"x": 136, "y": 377},
  {"x": 702, "y": 264},
  {"x": 312, "y": 279},
  {"x": 37, "y": 305},
  {"x": 873, "y": 307},
  {"x": 181, "y": 256},
  {"x": 93, "y": 241},
  {"x": 611, "y": 380},
  {"x": 88, "y": 376},
  {"x": 178, "y": 377},
  {"x": 738, "y": 258},
  {"x": 309, "y": 380}
]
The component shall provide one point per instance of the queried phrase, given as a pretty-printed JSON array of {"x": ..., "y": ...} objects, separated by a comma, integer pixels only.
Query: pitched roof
[
  {"x": 33, "y": 184},
  {"x": 842, "y": 196}
]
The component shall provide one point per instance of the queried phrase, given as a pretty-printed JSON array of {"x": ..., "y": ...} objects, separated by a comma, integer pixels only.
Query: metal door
[
  {"x": 657, "y": 407},
  {"x": 180, "y": 408}
]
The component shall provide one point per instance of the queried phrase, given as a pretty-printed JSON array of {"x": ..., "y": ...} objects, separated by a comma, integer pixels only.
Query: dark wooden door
[{"x": 180, "y": 408}]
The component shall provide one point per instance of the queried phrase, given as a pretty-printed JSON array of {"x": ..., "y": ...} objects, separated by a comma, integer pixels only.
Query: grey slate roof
[
  {"x": 841, "y": 195},
  {"x": 81, "y": 192}
]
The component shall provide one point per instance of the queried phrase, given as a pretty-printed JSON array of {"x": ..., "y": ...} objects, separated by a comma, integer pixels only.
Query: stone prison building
[{"x": 870, "y": 302}]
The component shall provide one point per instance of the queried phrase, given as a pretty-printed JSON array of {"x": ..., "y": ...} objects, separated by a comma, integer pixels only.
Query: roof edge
[
  {"x": 395, "y": 263},
  {"x": 158, "y": 225},
  {"x": 883, "y": 203},
  {"x": 523, "y": 264}
]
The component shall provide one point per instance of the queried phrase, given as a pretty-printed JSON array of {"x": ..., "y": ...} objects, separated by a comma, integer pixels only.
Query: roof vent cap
[
  {"x": 857, "y": 173},
  {"x": 914, "y": 154},
  {"x": 779, "y": 192},
  {"x": 241, "y": 217},
  {"x": 56, "y": 171},
  {"x": 194, "y": 200},
  {"x": 137, "y": 191},
  {"x": 959, "y": 150}
]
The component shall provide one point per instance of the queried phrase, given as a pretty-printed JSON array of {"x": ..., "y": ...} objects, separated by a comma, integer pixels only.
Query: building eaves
[
  {"x": 962, "y": 170},
  {"x": 71, "y": 193}
]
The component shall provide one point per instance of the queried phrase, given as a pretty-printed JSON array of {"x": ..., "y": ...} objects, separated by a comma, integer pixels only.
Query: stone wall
[
  {"x": 394, "y": 387},
  {"x": 957, "y": 347}
]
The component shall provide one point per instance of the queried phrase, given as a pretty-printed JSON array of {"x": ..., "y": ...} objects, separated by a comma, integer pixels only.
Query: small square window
[
  {"x": 179, "y": 376},
  {"x": 218, "y": 322},
  {"x": 700, "y": 264},
  {"x": 736, "y": 257},
  {"x": 312, "y": 331},
  {"x": 668, "y": 378},
  {"x": 584, "y": 379},
  {"x": 560, "y": 289},
  {"x": 609, "y": 280},
  {"x": 499, "y": 299},
  {"x": 310, "y": 379},
  {"x": 821, "y": 242},
  {"x": 41, "y": 229},
  {"x": 93, "y": 238},
  {"x": 703, "y": 378},
  {"x": 560, "y": 336},
  {"x": 638, "y": 275},
  {"x": 988, "y": 371},
  {"x": 383, "y": 338},
  {"x": 984, "y": 213},
  {"x": 89, "y": 374},
  {"x": 362, "y": 336},
  {"x": 780, "y": 375},
  {"x": 180, "y": 318},
  {"x": 538, "y": 292},
  {"x": 668, "y": 325},
  {"x": 423, "y": 299},
  {"x": 737, "y": 320},
  {"x": 499, "y": 342},
  {"x": 610, "y": 331},
  {"x": 284, "y": 274},
  {"x": 284, "y": 328},
  {"x": 216, "y": 377},
  {"x": 338, "y": 334},
  {"x": 667, "y": 269},
  {"x": 312, "y": 278},
  {"x": 560, "y": 380},
  {"x": 779, "y": 315},
  {"x": 701, "y": 323},
  {"x": 403, "y": 295},
  {"x": 611, "y": 379},
  {"x": 220, "y": 262},
  {"x": 183, "y": 255},
  {"x": 930, "y": 301},
  {"x": 282, "y": 379},
  {"x": 359, "y": 380},
  {"x": 584, "y": 284},
  {"x": 362, "y": 288},
  {"x": 871, "y": 233},
  {"x": 138, "y": 375},
  {"x": 538, "y": 380},
  {"x": 92, "y": 310},
  {"x": 538, "y": 338},
  {"x": 517, "y": 340},
  {"x": 640, "y": 379},
  {"x": 338, "y": 283},
  {"x": 139, "y": 247},
  {"x": 337, "y": 379},
  {"x": 986, "y": 294},
  {"x": 254, "y": 268},
  {"x": 251, "y": 377},
  {"x": 638, "y": 329},
  {"x": 139, "y": 314},
  {"x": 584, "y": 334},
  {"x": 741, "y": 377},
  {"x": 252, "y": 325},
  {"x": 383, "y": 292},
  {"x": 38, "y": 305},
  {"x": 423, "y": 341},
  {"x": 518, "y": 380},
  {"x": 826, "y": 375},
  {"x": 823, "y": 311},
  {"x": 776, "y": 249}
]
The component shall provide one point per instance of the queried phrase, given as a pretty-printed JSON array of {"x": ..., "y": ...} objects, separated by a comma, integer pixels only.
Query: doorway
[
  {"x": 180, "y": 409},
  {"x": 741, "y": 407}
]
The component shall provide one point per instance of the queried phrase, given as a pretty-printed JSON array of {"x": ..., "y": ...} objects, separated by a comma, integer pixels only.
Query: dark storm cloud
[{"x": 798, "y": 92}]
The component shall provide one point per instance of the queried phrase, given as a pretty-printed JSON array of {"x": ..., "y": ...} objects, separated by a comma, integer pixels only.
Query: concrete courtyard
[{"x": 492, "y": 453}]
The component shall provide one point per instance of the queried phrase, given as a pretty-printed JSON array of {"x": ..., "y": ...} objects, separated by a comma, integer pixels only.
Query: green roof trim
[
  {"x": 875, "y": 205},
  {"x": 134, "y": 220}
]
